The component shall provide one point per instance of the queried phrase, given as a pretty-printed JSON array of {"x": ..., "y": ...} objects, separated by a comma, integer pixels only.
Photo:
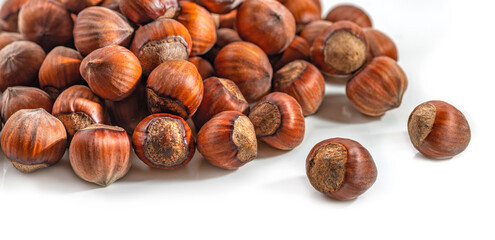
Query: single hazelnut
[
  {"x": 304, "y": 82},
  {"x": 267, "y": 23},
  {"x": 145, "y": 11},
  {"x": 111, "y": 72},
  {"x": 20, "y": 62},
  {"x": 247, "y": 66},
  {"x": 98, "y": 27},
  {"x": 220, "y": 6},
  {"x": 159, "y": 41},
  {"x": 78, "y": 107},
  {"x": 219, "y": 95},
  {"x": 33, "y": 139},
  {"x": 10, "y": 12},
  {"x": 200, "y": 26},
  {"x": 224, "y": 37},
  {"x": 341, "y": 49},
  {"x": 228, "y": 140},
  {"x": 380, "y": 44},
  {"x": 299, "y": 49},
  {"x": 76, "y": 6},
  {"x": 46, "y": 22},
  {"x": 304, "y": 12},
  {"x": 163, "y": 141},
  {"x": 313, "y": 30},
  {"x": 378, "y": 87},
  {"x": 18, "y": 98},
  {"x": 204, "y": 67},
  {"x": 278, "y": 121},
  {"x": 175, "y": 87},
  {"x": 100, "y": 154},
  {"x": 60, "y": 70},
  {"x": 111, "y": 4},
  {"x": 340, "y": 168},
  {"x": 349, "y": 13},
  {"x": 438, "y": 130},
  {"x": 7, "y": 38}
]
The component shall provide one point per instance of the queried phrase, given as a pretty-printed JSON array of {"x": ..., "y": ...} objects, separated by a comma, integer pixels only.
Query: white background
[{"x": 445, "y": 47}]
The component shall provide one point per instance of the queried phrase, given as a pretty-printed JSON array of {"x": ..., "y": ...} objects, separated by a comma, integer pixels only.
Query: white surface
[{"x": 446, "y": 49}]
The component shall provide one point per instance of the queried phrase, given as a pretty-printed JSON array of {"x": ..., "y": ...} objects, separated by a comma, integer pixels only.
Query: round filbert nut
[
  {"x": 9, "y": 12},
  {"x": 200, "y": 26},
  {"x": 18, "y": 98},
  {"x": 145, "y": 11},
  {"x": 349, "y": 13},
  {"x": 340, "y": 168},
  {"x": 20, "y": 62},
  {"x": 438, "y": 130},
  {"x": 380, "y": 44},
  {"x": 7, "y": 38},
  {"x": 304, "y": 11},
  {"x": 313, "y": 30}
]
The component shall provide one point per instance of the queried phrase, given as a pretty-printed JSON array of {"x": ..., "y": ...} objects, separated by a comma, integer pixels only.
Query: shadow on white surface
[
  {"x": 337, "y": 108},
  {"x": 266, "y": 152}
]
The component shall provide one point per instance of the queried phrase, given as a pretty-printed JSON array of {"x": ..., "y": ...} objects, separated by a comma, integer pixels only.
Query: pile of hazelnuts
[{"x": 167, "y": 77}]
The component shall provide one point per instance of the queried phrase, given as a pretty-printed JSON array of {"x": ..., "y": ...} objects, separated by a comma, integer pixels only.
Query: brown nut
[
  {"x": 111, "y": 72},
  {"x": 111, "y": 4},
  {"x": 227, "y": 20},
  {"x": 304, "y": 82},
  {"x": 145, "y": 11},
  {"x": 175, "y": 87},
  {"x": 20, "y": 62},
  {"x": 267, "y": 23},
  {"x": 46, "y": 22},
  {"x": 100, "y": 154},
  {"x": 247, "y": 66},
  {"x": 340, "y": 168},
  {"x": 159, "y": 41},
  {"x": 228, "y": 140},
  {"x": 313, "y": 30},
  {"x": 349, "y": 13},
  {"x": 278, "y": 121},
  {"x": 379, "y": 87},
  {"x": 33, "y": 139},
  {"x": 204, "y": 67},
  {"x": 200, "y": 26},
  {"x": 438, "y": 130},
  {"x": 10, "y": 12},
  {"x": 18, "y": 98},
  {"x": 60, "y": 70},
  {"x": 76, "y": 6},
  {"x": 164, "y": 141},
  {"x": 304, "y": 12},
  {"x": 341, "y": 49},
  {"x": 7, "y": 38},
  {"x": 299, "y": 49},
  {"x": 224, "y": 37},
  {"x": 380, "y": 44},
  {"x": 219, "y": 95},
  {"x": 220, "y": 6}
]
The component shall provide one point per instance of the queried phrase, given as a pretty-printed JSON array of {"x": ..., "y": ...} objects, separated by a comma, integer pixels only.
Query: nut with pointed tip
[
  {"x": 145, "y": 11},
  {"x": 18, "y": 98},
  {"x": 10, "y": 12},
  {"x": 220, "y": 6},
  {"x": 20, "y": 62},
  {"x": 379, "y": 87},
  {"x": 340, "y": 168},
  {"x": 438, "y": 130},
  {"x": 200, "y": 26},
  {"x": 228, "y": 140},
  {"x": 380, "y": 44},
  {"x": 204, "y": 67},
  {"x": 349, "y": 13},
  {"x": 304, "y": 12},
  {"x": 100, "y": 154},
  {"x": 33, "y": 139},
  {"x": 7, "y": 38},
  {"x": 299, "y": 49},
  {"x": 76, "y": 6},
  {"x": 313, "y": 30}
]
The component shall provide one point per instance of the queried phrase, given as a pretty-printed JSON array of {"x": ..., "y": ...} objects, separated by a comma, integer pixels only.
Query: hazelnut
[
  {"x": 340, "y": 168},
  {"x": 46, "y": 22},
  {"x": 77, "y": 107},
  {"x": 204, "y": 67},
  {"x": 163, "y": 141},
  {"x": 219, "y": 95},
  {"x": 267, "y": 23},
  {"x": 228, "y": 140},
  {"x": 304, "y": 12},
  {"x": 227, "y": 20},
  {"x": 111, "y": 4},
  {"x": 33, "y": 139},
  {"x": 200, "y": 26},
  {"x": 377, "y": 88},
  {"x": 341, "y": 49},
  {"x": 278, "y": 121},
  {"x": 247, "y": 66},
  {"x": 304, "y": 82},
  {"x": 224, "y": 37},
  {"x": 299, "y": 49},
  {"x": 159, "y": 41},
  {"x": 313, "y": 30},
  {"x": 145, "y": 11},
  {"x": 10, "y": 12},
  {"x": 100, "y": 154},
  {"x": 175, "y": 87},
  {"x": 76, "y": 6},
  {"x": 380, "y": 44},
  {"x": 111, "y": 72},
  {"x": 60, "y": 70},
  {"x": 349, "y": 13},
  {"x": 438, "y": 130},
  {"x": 98, "y": 27},
  {"x": 220, "y": 6},
  {"x": 18, "y": 98},
  {"x": 20, "y": 62},
  {"x": 7, "y": 38}
]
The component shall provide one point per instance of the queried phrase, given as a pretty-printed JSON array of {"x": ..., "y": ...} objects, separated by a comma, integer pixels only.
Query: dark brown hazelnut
[
  {"x": 164, "y": 141},
  {"x": 111, "y": 4},
  {"x": 299, "y": 49},
  {"x": 219, "y": 95},
  {"x": 247, "y": 66},
  {"x": 303, "y": 81},
  {"x": 46, "y": 22},
  {"x": 76, "y": 6},
  {"x": 349, "y": 13},
  {"x": 220, "y": 6},
  {"x": 7, "y": 38},
  {"x": 145, "y": 11},
  {"x": 20, "y": 62},
  {"x": 159, "y": 41},
  {"x": 228, "y": 140},
  {"x": 304, "y": 12},
  {"x": 204, "y": 67},
  {"x": 340, "y": 168},
  {"x": 18, "y": 98},
  {"x": 10, "y": 12},
  {"x": 100, "y": 154},
  {"x": 377, "y": 88},
  {"x": 33, "y": 139},
  {"x": 438, "y": 130},
  {"x": 111, "y": 72},
  {"x": 313, "y": 30},
  {"x": 60, "y": 70},
  {"x": 380, "y": 44},
  {"x": 200, "y": 26},
  {"x": 175, "y": 87}
]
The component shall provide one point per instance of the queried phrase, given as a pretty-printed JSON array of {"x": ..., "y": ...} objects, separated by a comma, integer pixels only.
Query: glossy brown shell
[
  {"x": 204, "y": 67},
  {"x": 304, "y": 12},
  {"x": 200, "y": 26},
  {"x": 76, "y": 6},
  {"x": 145, "y": 11},
  {"x": 380, "y": 44},
  {"x": 349, "y": 13},
  {"x": 299, "y": 49},
  {"x": 220, "y": 6},
  {"x": 313, "y": 30},
  {"x": 7, "y": 38},
  {"x": 9, "y": 12},
  {"x": 18, "y": 98},
  {"x": 20, "y": 62}
]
